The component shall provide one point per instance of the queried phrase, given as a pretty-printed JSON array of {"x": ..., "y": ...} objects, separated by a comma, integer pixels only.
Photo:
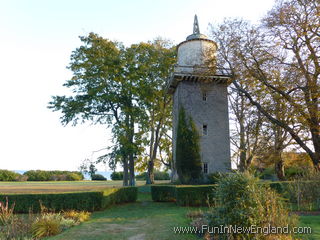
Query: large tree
[
  {"x": 110, "y": 86},
  {"x": 157, "y": 104},
  {"x": 281, "y": 58}
]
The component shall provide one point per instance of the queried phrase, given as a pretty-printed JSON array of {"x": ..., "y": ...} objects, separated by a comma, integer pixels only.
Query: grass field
[
  {"x": 143, "y": 220},
  {"x": 57, "y": 186}
]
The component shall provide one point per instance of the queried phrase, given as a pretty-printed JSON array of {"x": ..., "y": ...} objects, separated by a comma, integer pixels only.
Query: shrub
[
  {"x": 188, "y": 159},
  {"x": 113, "y": 196},
  {"x": 86, "y": 201},
  {"x": 66, "y": 223},
  {"x": 213, "y": 178},
  {"x": 158, "y": 175},
  {"x": 163, "y": 193},
  {"x": 294, "y": 172},
  {"x": 195, "y": 195},
  {"x": 6, "y": 213},
  {"x": 116, "y": 176},
  {"x": 98, "y": 177},
  {"x": 77, "y": 216},
  {"x": 46, "y": 226},
  {"x": 267, "y": 173},
  {"x": 19, "y": 228},
  {"x": 304, "y": 192},
  {"x": 242, "y": 201},
  {"x": 6, "y": 175}
]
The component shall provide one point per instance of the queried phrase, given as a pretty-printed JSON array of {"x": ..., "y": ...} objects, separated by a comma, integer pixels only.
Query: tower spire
[{"x": 196, "y": 29}]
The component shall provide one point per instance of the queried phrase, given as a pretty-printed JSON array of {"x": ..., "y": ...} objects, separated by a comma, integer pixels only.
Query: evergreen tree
[{"x": 188, "y": 160}]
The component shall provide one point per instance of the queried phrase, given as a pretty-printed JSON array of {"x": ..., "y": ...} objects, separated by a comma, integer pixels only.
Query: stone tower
[{"x": 201, "y": 88}]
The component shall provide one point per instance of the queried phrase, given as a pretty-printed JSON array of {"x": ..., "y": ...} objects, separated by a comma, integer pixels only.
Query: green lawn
[
  {"x": 57, "y": 186},
  {"x": 143, "y": 220},
  {"x": 314, "y": 223},
  {"x": 147, "y": 220}
]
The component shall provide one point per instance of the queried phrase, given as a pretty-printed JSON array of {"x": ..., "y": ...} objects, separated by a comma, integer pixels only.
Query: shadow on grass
[{"x": 143, "y": 220}]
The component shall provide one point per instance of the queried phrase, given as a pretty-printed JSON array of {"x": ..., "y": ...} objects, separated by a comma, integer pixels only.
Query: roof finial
[{"x": 196, "y": 29}]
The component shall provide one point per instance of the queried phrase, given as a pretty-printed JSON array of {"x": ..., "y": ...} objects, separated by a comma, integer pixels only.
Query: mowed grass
[
  {"x": 143, "y": 220},
  {"x": 57, "y": 186},
  {"x": 314, "y": 223}
]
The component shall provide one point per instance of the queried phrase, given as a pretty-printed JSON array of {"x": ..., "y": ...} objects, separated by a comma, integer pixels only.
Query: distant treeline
[{"x": 41, "y": 175}]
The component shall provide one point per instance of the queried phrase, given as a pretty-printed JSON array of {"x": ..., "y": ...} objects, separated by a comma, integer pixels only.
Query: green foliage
[
  {"x": 113, "y": 196},
  {"x": 158, "y": 175},
  {"x": 294, "y": 172},
  {"x": 188, "y": 160},
  {"x": 213, "y": 178},
  {"x": 45, "y": 226},
  {"x": 98, "y": 177},
  {"x": 6, "y": 175},
  {"x": 87, "y": 201},
  {"x": 41, "y": 175},
  {"x": 116, "y": 176},
  {"x": 302, "y": 194},
  {"x": 195, "y": 195},
  {"x": 267, "y": 173},
  {"x": 118, "y": 86},
  {"x": 242, "y": 201},
  {"x": 163, "y": 193},
  {"x": 79, "y": 201}
]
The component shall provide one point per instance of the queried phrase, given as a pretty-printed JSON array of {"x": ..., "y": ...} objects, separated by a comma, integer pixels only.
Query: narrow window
[
  {"x": 204, "y": 130},
  {"x": 205, "y": 167},
  {"x": 204, "y": 96}
]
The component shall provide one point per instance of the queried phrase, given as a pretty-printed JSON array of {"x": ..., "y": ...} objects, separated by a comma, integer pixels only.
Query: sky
[{"x": 36, "y": 40}]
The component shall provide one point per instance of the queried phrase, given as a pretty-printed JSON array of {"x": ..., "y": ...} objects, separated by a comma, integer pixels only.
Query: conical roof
[{"x": 196, "y": 31}]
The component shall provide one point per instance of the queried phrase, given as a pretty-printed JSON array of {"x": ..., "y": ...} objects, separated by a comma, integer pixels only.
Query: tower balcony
[{"x": 198, "y": 74}]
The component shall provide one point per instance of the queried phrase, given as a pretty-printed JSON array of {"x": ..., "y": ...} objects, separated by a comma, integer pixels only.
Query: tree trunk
[
  {"x": 132, "y": 153},
  {"x": 157, "y": 137},
  {"x": 242, "y": 148},
  {"x": 279, "y": 166},
  {"x": 150, "y": 175},
  {"x": 125, "y": 172},
  {"x": 131, "y": 168}
]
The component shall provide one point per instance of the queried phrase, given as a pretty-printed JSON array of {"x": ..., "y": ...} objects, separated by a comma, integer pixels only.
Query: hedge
[
  {"x": 191, "y": 195},
  {"x": 195, "y": 195},
  {"x": 163, "y": 193},
  {"x": 113, "y": 196},
  {"x": 82, "y": 201},
  {"x": 86, "y": 201}
]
